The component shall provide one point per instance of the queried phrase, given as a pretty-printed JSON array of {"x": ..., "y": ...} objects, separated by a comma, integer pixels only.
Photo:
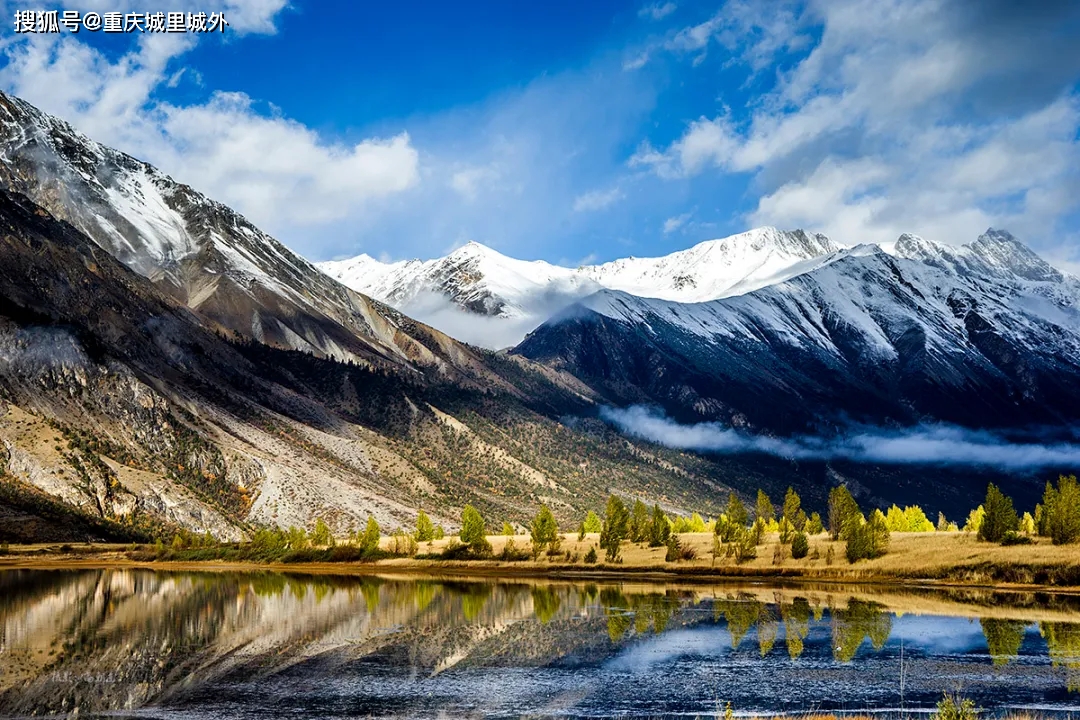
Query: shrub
[
  {"x": 590, "y": 557},
  {"x": 512, "y": 553},
  {"x": 952, "y": 707},
  {"x": 455, "y": 550},
  {"x": 1014, "y": 538},
  {"x": 673, "y": 548},
  {"x": 403, "y": 543},
  {"x": 800, "y": 546}
]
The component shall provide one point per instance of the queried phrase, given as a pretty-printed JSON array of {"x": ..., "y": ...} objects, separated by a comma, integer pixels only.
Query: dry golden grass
[
  {"x": 943, "y": 556},
  {"x": 913, "y": 558}
]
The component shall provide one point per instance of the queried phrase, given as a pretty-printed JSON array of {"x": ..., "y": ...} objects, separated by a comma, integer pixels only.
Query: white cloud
[
  {"x": 276, "y": 171},
  {"x": 597, "y": 200},
  {"x": 657, "y": 11},
  {"x": 920, "y": 445},
  {"x": 637, "y": 61},
  {"x": 921, "y": 115},
  {"x": 674, "y": 223}
]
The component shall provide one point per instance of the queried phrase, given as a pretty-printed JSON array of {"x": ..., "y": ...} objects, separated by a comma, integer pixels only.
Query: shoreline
[{"x": 529, "y": 570}]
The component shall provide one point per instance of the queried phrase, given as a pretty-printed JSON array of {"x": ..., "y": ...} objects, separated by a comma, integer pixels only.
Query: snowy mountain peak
[{"x": 1001, "y": 251}]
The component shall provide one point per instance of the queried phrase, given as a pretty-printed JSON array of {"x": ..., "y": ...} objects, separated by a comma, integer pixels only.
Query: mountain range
[{"x": 164, "y": 363}]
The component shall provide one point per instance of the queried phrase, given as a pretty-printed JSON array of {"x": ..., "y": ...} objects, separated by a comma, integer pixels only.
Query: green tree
[
  {"x": 793, "y": 510},
  {"x": 298, "y": 538},
  {"x": 1000, "y": 516},
  {"x": 425, "y": 531},
  {"x": 1060, "y": 513},
  {"x": 659, "y": 529},
  {"x": 544, "y": 530},
  {"x": 615, "y": 528},
  {"x": 696, "y": 524},
  {"x": 593, "y": 523},
  {"x": 975, "y": 520},
  {"x": 508, "y": 529},
  {"x": 743, "y": 545},
  {"x": 896, "y": 520},
  {"x": 638, "y": 530},
  {"x": 764, "y": 507},
  {"x": 473, "y": 532},
  {"x": 917, "y": 520},
  {"x": 814, "y": 525},
  {"x": 369, "y": 541},
  {"x": 1027, "y": 524},
  {"x": 320, "y": 535},
  {"x": 787, "y": 531},
  {"x": 868, "y": 539},
  {"x": 734, "y": 517},
  {"x": 844, "y": 513}
]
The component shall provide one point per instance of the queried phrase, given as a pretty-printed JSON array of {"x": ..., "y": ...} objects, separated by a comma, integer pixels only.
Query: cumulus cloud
[
  {"x": 278, "y": 172},
  {"x": 922, "y": 445},
  {"x": 946, "y": 115}
]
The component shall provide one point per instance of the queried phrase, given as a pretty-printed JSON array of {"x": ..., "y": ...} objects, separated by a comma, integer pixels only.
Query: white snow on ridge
[{"x": 476, "y": 281}]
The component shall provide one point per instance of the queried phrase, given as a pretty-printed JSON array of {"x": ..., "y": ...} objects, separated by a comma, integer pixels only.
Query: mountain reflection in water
[{"x": 265, "y": 645}]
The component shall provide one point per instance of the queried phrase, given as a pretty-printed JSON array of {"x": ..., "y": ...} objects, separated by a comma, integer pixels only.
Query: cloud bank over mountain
[{"x": 921, "y": 445}]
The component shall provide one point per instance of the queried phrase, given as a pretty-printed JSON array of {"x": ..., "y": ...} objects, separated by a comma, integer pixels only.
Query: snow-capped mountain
[
  {"x": 478, "y": 281},
  {"x": 985, "y": 334},
  {"x": 199, "y": 251}
]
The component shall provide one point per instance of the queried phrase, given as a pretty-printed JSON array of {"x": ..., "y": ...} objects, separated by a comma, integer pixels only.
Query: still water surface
[{"x": 139, "y": 643}]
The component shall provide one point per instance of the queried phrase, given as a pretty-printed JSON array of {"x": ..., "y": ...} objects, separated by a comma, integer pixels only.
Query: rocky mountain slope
[
  {"x": 200, "y": 252},
  {"x": 985, "y": 335},
  {"x": 118, "y": 401}
]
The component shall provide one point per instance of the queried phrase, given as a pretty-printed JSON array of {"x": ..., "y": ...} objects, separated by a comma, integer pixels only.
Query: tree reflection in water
[{"x": 106, "y": 640}]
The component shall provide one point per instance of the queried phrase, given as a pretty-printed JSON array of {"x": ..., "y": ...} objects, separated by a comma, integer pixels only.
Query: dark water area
[{"x": 138, "y": 643}]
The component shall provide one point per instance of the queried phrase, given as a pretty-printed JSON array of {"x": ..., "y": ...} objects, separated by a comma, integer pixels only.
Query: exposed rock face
[{"x": 201, "y": 252}]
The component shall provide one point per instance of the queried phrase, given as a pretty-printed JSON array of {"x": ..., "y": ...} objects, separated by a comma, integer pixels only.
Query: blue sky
[{"x": 574, "y": 132}]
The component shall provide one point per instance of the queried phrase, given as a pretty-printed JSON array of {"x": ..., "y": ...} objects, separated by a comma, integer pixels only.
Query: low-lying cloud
[{"x": 920, "y": 445}]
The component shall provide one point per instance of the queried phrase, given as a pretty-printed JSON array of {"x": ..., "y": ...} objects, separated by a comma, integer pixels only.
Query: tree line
[{"x": 737, "y": 532}]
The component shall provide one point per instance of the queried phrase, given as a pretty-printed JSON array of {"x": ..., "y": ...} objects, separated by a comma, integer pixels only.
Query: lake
[{"x": 140, "y": 643}]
